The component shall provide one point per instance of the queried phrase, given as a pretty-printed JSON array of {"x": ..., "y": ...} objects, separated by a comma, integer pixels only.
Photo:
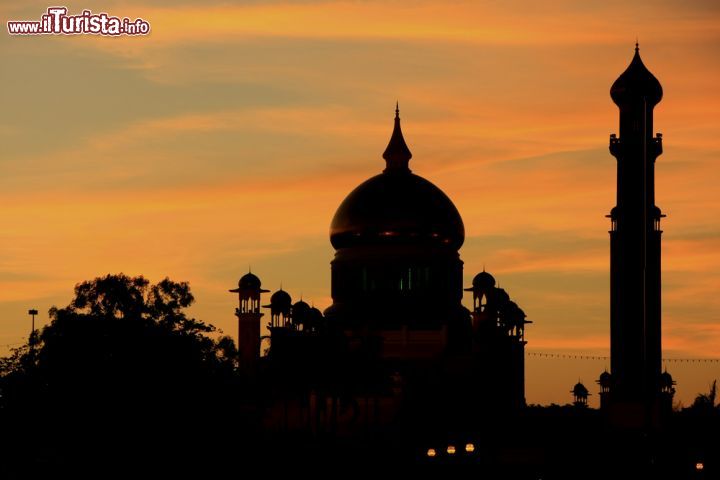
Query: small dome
[
  {"x": 635, "y": 84},
  {"x": 483, "y": 281},
  {"x": 605, "y": 379},
  {"x": 656, "y": 213},
  {"x": 314, "y": 319},
  {"x": 300, "y": 312},
  {"x": 500, "y": 297},
  {"x": 280, "y": 300},
  {"x": 579, "y": 390},
  {"x": 666, "y": 380},
  {"x": 249, "y": 282},
  {"x": 300, "y": 308}
]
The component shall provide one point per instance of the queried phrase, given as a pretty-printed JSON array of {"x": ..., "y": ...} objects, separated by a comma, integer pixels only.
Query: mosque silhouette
[
  {"x": 397, "y": 349},
  {"x": 396, "y": 324}
]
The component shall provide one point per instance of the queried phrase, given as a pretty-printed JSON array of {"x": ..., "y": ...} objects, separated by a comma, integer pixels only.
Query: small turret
[
  {"x": 580, "y": 395},
  {"x": 280, "y": 309},
  {"x": 248, "y": 313}
]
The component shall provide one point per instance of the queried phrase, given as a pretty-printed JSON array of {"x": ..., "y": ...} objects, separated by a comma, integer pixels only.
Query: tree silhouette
[
  {"x": 121, "y": 371},
  {"x": 705, "y": 402}
]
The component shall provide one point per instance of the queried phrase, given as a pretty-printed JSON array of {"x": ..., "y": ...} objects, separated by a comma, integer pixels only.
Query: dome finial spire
[
  {"x": 637, "y": 45},
  {"x": 397, "y": 154}
]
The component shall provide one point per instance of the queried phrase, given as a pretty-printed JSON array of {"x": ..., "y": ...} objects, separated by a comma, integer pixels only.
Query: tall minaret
[
  {"x": 248, "y": 313},
  {"x": 635, "y": 246}
]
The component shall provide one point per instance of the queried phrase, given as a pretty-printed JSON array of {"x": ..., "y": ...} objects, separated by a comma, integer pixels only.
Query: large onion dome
[{"x": 397, "y": 207}]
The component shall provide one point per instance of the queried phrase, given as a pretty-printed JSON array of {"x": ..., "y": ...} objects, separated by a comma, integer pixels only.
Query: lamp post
[{"x": 32, "y": 312}]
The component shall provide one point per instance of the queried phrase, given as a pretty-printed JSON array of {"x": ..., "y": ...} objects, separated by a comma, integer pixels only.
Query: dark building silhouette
[
  {"x": 396, "y": 348},
  {"x": 498, "y": 326},
  {"x": 635, "y": 251}
]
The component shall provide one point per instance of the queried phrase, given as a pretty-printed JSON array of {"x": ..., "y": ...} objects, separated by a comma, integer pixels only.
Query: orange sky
[{"x": 229, "y": 136}]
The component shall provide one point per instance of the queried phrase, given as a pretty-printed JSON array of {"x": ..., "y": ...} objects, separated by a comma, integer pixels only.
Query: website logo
[{"x": 57, "y": 22}]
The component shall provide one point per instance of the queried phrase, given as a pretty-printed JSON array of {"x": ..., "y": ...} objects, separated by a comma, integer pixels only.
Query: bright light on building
[
  {"x": 699, "y": 466},
  {"x": 469, "y": 448},
  {"x": 451, "y": 450},
  {"x": 431, "y": 452}
]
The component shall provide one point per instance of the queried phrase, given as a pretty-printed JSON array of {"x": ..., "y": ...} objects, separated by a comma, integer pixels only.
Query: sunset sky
[{"x": 229, "y": 135}]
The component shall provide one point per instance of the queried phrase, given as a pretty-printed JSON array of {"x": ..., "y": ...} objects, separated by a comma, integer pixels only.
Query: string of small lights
[{"x": 574, "y": 356}]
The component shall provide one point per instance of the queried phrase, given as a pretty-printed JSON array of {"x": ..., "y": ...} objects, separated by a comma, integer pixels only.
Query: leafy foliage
[
  {"x": 706, "y": 402},
  {"x": 123, "y": 365}
]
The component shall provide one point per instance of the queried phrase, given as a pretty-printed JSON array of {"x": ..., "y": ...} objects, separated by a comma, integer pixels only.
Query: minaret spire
[{"x": 397, "y": 154}]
